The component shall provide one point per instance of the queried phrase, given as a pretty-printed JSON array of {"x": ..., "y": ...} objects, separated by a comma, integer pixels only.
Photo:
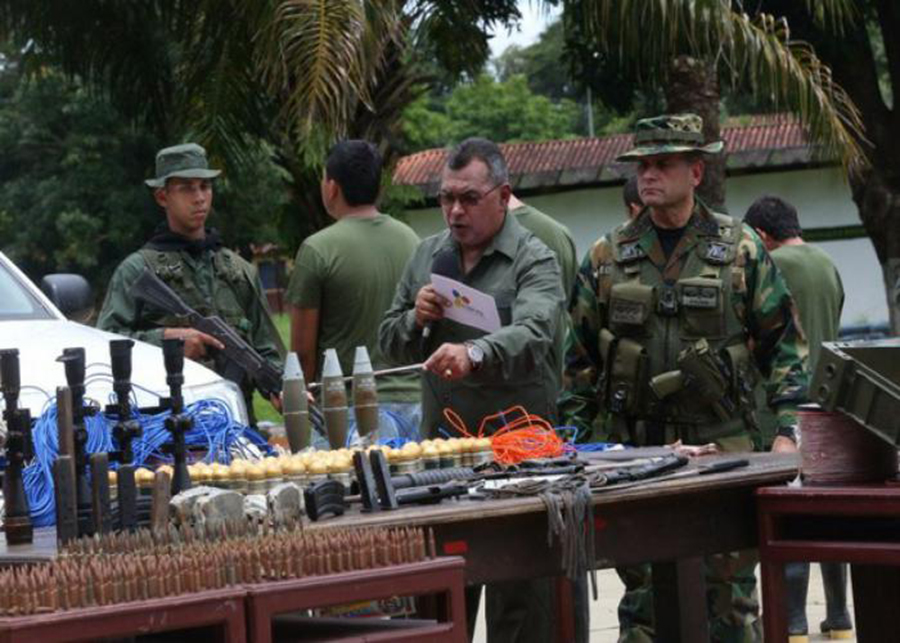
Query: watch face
[{"x": 476, "y": 355}]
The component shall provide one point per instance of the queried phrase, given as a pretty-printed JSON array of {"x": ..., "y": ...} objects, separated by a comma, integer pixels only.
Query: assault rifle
[{"x": 240, "y": 358}]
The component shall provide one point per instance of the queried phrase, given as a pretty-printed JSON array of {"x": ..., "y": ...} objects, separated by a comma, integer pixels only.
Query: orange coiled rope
[{"x": 524, "y": 437}]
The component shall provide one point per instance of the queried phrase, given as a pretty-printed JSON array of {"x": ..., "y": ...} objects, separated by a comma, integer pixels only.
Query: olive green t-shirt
[
  {"x": 555, "y": 236},
  {"x": 816, "y": 287},
  {"x": 349, "y": 271}
]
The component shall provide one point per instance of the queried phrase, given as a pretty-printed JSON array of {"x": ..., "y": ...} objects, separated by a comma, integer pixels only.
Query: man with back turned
[{"x": 816, "y": 286}]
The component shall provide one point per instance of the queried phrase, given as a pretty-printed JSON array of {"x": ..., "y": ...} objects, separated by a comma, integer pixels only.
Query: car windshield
[{"x": 16, "y": 301}]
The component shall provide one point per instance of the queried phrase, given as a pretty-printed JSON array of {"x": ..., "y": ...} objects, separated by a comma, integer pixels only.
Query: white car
[{"x": 30, "y": 322}]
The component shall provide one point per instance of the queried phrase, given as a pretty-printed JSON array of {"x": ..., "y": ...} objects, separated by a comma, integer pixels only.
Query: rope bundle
[{"x": 523, "y": 437}]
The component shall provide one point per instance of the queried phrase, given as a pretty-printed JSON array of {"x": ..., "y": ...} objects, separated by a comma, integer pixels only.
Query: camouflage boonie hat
[
  {"x": 669, "y": 134},
  {"x": 186, "y": 161}
]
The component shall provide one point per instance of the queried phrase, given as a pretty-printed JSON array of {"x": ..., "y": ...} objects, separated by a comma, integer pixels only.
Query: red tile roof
[{"x": 592, "y": 160}]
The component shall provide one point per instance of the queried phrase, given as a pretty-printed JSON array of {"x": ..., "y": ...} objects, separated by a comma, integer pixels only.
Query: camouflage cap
[
  {"x": 187, "y": 161},
  {"x": 669, "y": 134}
]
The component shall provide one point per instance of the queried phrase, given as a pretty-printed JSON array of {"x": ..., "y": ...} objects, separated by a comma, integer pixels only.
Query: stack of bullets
[{"x": 114, "y": 569}]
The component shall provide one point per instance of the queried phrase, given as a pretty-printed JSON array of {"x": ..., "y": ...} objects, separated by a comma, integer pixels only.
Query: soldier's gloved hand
[
  {"x": 450, "y": 361},
  {"x": 429, "y": 306},
  {"x": 195, "y": 342}
]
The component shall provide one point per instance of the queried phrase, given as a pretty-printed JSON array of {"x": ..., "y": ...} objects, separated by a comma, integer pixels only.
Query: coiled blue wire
[{"x": 214, "y": 430}]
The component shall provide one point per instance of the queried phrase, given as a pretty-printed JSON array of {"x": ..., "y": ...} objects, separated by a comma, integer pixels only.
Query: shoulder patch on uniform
[
  {"x": 717, "y": 252},
  {"x": 631, "y": 251}
]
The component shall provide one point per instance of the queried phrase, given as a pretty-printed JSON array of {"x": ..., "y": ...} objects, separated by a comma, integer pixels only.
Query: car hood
[{"x": 41, "y": 342}]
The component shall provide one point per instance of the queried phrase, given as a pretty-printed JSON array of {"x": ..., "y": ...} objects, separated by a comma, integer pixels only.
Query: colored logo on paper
[{"x": 460, "y": 300}]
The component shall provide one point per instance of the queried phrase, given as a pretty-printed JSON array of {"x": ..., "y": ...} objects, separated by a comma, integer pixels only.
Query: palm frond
[
  {"x": 222, "y": 100},
  {"x": 321, "y": 58},
  {"x": 645, "y": 35},
  {"x": 834, "y": 14}
]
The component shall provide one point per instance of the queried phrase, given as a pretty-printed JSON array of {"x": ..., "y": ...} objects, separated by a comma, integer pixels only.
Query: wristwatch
[{"x": 476, "y": 355}]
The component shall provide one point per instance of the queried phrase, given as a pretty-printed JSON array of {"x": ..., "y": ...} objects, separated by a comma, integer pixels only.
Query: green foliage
[
  {"x": 541, "y": 63},
  {"x": 71, "y": 182},
  {"x": 755, "y": 50},
  {"x": 506, "y": 111},
  {"x": 425, "y": 124},
  {"x": 262, "y": 408},
  {"x": 70, "y": 179},
  {"x": 297, "y": 74},
  {"x": 252, "y": 203}
]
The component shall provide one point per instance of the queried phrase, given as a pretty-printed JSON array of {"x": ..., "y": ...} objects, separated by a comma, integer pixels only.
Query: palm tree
[
  {"x": 229, "y": 73},
  {"x": 688, "y": 45},
  {"x": 865, "y": 60}
]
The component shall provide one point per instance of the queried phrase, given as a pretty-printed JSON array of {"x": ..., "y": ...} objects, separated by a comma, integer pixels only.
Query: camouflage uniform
[
  {"x": 670, "y": 349},
  {"x": 209, "y": 278}
]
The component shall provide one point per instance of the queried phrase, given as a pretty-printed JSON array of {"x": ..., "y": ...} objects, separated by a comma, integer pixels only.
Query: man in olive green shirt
[
  {"x": 344, "y": 278},
  {"x": 472, "y": 372},
  {"x": 815, "y": 285},
  {"x": 555, "y": 236},
  {"x": 191, "y": 259},
  {"x": 477, "y": 373}
]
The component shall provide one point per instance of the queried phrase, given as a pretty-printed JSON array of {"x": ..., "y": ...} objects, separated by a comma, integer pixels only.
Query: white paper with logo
[{"x": 467, "y": 305}]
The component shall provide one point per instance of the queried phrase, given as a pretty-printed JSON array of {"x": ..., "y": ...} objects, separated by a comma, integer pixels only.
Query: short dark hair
[
  {"x": 483, "y": 150},
  {"x": 356, "y": 167},
  {"x": 774, "y": 216},
  {"x": 630, "y": 194}
]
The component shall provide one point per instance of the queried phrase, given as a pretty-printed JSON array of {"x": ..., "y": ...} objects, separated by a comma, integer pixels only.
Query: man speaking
[
  {"x": 468, "y": 370},
  {"x": 477, "y": 373}
]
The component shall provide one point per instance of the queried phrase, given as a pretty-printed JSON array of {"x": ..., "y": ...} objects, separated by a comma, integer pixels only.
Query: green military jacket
[
  {"x": 212, "y": 282},
  {"x": 522, "y": 361},
  {"x": 671, "y": 349}
]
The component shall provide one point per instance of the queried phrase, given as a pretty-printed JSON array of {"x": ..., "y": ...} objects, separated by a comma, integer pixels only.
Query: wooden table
[
  {"x": 221, "y": 608},
  {"x": 670, "y": 523},
  {"x": 858, "y": 525},
  {"x": 442, "y": 578}
]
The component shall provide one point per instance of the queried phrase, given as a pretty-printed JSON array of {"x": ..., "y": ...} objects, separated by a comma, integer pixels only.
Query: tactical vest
[
  {"x": 228, "y": 295},
  {"x": 676, "y": 362}
]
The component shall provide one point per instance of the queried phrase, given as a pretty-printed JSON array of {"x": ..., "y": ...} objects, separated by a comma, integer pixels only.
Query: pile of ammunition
[
  {"x": 312, "y": 466},
  {"x": 439, "y": 453},
  {"x": 112, "y": 569}
]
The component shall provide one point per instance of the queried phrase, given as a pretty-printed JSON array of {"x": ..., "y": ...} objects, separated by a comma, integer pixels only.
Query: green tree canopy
[
  {"x": 503, "y": 111},
  {"x": 72, "y": 197}
]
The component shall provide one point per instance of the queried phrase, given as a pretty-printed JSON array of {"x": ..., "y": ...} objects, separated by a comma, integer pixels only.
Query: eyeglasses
[{"x": 467, "y": 199}]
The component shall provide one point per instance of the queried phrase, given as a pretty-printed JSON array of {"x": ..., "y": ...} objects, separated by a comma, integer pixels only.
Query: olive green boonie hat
[
  {"x": 186, "y": 161},
  {"x": 669, "y": 134}
]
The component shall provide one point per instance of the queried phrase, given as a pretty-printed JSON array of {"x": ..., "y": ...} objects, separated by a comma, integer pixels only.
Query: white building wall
[{"x": 821, "y": 196}]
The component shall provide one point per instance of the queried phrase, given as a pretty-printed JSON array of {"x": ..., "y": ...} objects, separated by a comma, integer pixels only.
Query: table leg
[
  {"x": 679, "y": 600},
  {"x": 774, "y": 601},
  {"x": 565, "y": 609},
  {"x": 875, "y": 591},
  {"x": 259, "y": 621}
]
